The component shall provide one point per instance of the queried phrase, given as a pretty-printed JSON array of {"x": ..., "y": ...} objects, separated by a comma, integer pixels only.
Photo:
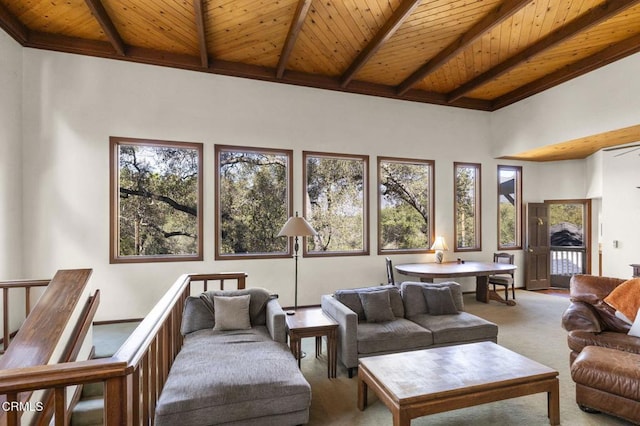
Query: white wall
[
  {"x": 603, "y": 100},
  {"x": 73, "y": 104},
  {"x": 11, "y": 171},
  {"x": 620, "y": 214}
]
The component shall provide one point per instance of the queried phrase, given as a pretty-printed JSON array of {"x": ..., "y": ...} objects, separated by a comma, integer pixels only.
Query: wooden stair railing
[
  {"x": 26, "y": 285},
  {"x": 133, "y": 377}
]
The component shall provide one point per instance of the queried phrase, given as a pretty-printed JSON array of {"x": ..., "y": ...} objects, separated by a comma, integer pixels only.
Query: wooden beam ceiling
[
  {"x": 497, "y": 16},
  {"x": 294, "y": 30},
  {"x": 387, "y": 30},
  {"x": 582, "y": 23},
  {"x": 198, "y": 8},
  {"x": 101, "y": 15}
]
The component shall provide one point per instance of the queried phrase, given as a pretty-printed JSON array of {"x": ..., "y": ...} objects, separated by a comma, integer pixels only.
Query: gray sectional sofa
[
  {"x": 234, "y": 370},
  {"x": 386, "y": 319}
]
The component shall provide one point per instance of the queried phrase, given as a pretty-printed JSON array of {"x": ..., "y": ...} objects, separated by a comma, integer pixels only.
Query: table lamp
[
  {"x": 296, "y": 226},
  {"x": 439, "y": 245}
]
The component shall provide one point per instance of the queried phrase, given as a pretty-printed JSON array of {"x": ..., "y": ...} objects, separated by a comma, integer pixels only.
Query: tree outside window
[
  {"x": 156, "y": 200},
  {"x": 467, "y": 209},
  {"x": 253, "y": 188},
  {"x": 405, "y": 205},
  {"x": 509, "y": 207},
  {"x": 336, "y": 203}
]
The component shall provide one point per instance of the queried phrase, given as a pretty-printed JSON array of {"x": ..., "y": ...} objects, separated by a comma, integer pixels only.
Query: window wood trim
[
  {"x": 240, "y": 256},
  {"x": 114, "y": 194},
  {"x": 478, "y": 207},
  {"x": 519, "y": 207},
  {"x": 432, "y": 206},
  {"x": 365, "y": 193}
]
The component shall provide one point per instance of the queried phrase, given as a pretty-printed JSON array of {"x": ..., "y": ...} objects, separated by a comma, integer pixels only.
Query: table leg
[
  {"x": 296, "y": 347},
  {"x": 332, "y": 353},
  {"x": 483, "y": 294},
  {"x": 362, "y": 393},
  {"x": 553, "y": 404},
  {"x": 318, "y": 346}
]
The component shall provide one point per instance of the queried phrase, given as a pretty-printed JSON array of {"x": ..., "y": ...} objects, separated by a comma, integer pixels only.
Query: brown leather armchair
[{"x": 604, "y": 359}]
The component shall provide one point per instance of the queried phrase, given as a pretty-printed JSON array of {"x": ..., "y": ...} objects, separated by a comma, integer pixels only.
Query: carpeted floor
[{"x": 531, "y": 328}]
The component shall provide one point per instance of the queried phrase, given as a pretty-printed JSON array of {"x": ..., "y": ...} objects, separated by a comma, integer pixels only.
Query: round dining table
[{"x": 427, "y": 272}]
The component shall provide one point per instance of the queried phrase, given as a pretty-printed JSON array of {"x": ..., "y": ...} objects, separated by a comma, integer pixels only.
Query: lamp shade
[
  {"x": 296, "y": 226},
  {"x": 439, "y": 244}
]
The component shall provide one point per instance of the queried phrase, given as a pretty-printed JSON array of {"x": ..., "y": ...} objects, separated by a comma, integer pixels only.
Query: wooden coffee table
[
  {"x": 312, "y": 322},
  {"x": 417, "y": 383}
]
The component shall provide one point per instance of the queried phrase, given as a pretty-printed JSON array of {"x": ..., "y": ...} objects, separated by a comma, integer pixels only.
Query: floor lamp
[{"x": 296, "y": 227}]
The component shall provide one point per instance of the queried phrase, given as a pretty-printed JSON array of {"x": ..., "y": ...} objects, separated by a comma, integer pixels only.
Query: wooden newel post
[{"x": 116, "y": 405}]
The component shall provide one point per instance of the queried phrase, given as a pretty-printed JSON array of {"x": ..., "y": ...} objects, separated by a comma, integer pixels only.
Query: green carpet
[{"x": 531, "y": 328}]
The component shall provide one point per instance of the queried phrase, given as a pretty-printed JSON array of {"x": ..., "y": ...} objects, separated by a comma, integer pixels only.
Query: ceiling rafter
[
  {"x": 294, "y": 30},
  {"x": 13, "y": 26},
  {"x": 101, "y": 15},
  {"x": 589, "y": 19},
  {"x": 606, "y": 56},
  {"x": 492, "y": 19},
  {"x": 386, "y": 31},
  {"x": 198, "y": 7}
]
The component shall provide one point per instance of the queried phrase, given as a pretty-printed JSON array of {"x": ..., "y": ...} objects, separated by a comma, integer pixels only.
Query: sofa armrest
[
  {"x": 580, "y": 316},
  {"x": 276, "y": 323},
  {"x": 347, "y": 329}
]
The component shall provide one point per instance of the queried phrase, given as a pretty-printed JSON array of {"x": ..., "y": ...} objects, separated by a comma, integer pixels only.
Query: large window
[
  {"x": 336, "y": 203},
  {"x": 405, "y": 205},
  {"x": 253, "y": 201},
  {"x": 467, "y": 208},
  {"x": 156, "y": 200},
  {"x": 509, "y": 207}
]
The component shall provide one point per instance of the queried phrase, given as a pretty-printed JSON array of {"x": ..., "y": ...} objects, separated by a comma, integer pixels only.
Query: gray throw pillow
[
  {"x": 231, "y": 313},
  {"x": 196, "y": 316},
  {"x": 439, "y": 301},
  {"x": 377, "y": 306}
]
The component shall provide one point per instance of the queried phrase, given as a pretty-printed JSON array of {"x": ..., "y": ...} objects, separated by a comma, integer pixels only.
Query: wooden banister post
[
  {"x": 60, "y": 406},
  {"x": 116, "y": 401},
  {"x": 5, "y": 318}
]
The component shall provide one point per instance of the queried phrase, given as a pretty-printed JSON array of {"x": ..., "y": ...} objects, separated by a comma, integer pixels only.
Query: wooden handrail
[
  {"x": 134, "y": 376},
  {"x": 27, "y": 285}
]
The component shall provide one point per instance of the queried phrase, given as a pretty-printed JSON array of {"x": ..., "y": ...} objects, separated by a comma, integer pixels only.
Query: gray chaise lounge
[
  {"x": 245, "y": 376},
  {"x": 422, "y": 316}
]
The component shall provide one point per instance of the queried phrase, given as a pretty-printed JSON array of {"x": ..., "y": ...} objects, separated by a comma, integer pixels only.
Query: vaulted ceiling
[{"x": 480, "y": 54}]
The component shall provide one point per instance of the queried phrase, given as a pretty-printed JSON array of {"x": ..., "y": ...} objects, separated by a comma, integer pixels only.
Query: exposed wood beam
[
  {"x": 101, "y": 15},
  {"x": 582, "y": 23},
  {"x": 198, "y": 6},
  {"x": 294, "y": 30},
  {"x": 606, "y": 56},
  {"x": 388, "y": 29},
  {"x": 494, "y": 18},
  {"x": 13, "y": 26}
]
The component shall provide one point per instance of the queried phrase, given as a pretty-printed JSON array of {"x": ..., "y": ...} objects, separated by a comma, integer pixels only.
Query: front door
[{"x": 537, "y": 258}]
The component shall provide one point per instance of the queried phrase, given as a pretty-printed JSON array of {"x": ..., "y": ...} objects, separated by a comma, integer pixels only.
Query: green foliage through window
[
  {"x": 253, "y": 202},
  {"x": 156, "y": 200},
  {"x": 405, "y": 202},
  {"x": 336, "y": 203},
  {"x": 467, "y": 206}
]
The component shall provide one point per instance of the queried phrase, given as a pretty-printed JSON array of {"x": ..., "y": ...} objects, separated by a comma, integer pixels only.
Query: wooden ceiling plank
[
  {"x": 593, "y": 17},
  {"x": 13, "y": 26},
  {"x": 101, "y": 15},
  {"x": 606, "y": 56},
  {"x": 198, "y": 8},
  {"x": 388, "y": 29},
  {"x": 494, "y": 18},
  {"x": 294, "y": 31}
]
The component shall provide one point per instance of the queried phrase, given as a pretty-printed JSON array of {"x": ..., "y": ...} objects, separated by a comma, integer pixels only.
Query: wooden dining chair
[
  {"x": 390, "y": 278},
  {"x": 506, "y": 279}
]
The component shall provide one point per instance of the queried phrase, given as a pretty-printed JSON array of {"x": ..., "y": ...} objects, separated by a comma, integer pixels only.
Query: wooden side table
[{"x": 312, "y": 322}]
